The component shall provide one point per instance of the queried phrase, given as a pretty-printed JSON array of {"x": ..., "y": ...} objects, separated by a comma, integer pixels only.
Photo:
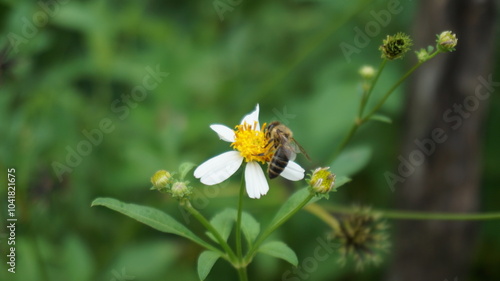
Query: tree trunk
[{"x": 445, "y": 111}]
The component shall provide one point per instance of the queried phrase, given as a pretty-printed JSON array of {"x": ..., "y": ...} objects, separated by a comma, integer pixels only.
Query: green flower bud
[
  {"x": 446, "y": 41},
  {"x": 161, "y": 179},
  {"x": 394, "y": 47},
  {"x": 322, "y": 181},
  {"x": 181, "y": 190},
  {"x": 422, "y": 55}
]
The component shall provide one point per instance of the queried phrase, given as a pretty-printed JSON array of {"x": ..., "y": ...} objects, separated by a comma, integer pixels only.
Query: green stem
[
  {"x": 242, "y": 273},
  {"x": 197, "y": 215},
  {"x": 395, "y": 214},
  {"x": 271, "y": 229},
  {"x": 366, "y": 96},
  {"x": 322, "y": 214},
  {"x": 238, "y": 220},
  {"x": 242, "y": 267},
  {"x": 359, "y": 121},
  {"x": 346, "y": 140},
  {"x": 391, "y": 90}
]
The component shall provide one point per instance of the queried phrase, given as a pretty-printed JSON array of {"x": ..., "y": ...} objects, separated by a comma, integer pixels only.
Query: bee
[{"x": 284, "y": 145}]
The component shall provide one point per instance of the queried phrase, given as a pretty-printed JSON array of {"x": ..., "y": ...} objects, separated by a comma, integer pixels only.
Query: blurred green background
[{"x": 76, "y": 63}]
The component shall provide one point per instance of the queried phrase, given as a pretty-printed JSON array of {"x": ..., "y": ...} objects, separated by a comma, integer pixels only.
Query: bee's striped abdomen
[{"x": 277, "y": 164}]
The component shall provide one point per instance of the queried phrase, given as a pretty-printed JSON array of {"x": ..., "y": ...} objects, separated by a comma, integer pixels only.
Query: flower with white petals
[{"x": 249, "y": 143}]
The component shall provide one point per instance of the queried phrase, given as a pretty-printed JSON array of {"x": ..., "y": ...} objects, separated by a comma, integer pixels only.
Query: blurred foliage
[{"x": 75, "y": 62}]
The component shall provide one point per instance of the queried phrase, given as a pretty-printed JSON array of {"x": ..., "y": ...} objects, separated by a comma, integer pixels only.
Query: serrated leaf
[
  {"x": 351, "y": 160},
  {"x": 223, "y": 222},
  {"x": 279, "y": 250},
  {"x": 381, "y": 118},
  {"x": 151, "y": 217},
  {"x": 206, "y": 261},
  {"x": 250, "y": 227}
]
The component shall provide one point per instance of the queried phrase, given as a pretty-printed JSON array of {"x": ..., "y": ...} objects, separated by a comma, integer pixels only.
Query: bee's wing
[
  {"x": 289, "y": 151},
  {"x": 297, "y": 148},
  {"x": 287, "y": 147}
]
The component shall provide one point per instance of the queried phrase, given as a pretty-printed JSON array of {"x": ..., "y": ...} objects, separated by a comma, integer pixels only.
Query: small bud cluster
[{"x": 173, "y": 183}]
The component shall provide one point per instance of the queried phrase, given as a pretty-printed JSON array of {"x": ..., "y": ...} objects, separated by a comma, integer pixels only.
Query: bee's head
[{"x": 272, "y": 125}]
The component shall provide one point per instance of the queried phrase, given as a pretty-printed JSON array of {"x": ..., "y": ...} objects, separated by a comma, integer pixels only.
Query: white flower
[{"x": 249, "y": 144}]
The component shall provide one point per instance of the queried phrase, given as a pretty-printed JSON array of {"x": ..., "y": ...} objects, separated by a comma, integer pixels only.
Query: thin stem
[
  {"x": 366, "y": 96},
  {"x": 242, "y": 267},
  {"x": 346, "y": 140},
  {"x": 322, "y": 214},
  {"x": 359, "y": 121},
  {"x": 388, "y": 93},
  {"x": 439, "y": 216},
  {"x": 406, "y": 215},
  {"x": 271, "y": 229},
  {"x": 197, "y": 215},
  {"x": 238, "y": 219}
]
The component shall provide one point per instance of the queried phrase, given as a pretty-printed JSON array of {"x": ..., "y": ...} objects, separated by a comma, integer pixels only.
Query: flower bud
[
  {"x": 446, "y": 41},
  {"x": 422, "y": 55},
  {"x": 394, "y": 47},
  {"x": 161, "y": 179},
  {"x": 322, "y": 181},
  {"x": 367, "y": 72},
  {"x": 180, "y": 190}
]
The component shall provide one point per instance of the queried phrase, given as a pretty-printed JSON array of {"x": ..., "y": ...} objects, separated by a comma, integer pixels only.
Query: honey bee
[{"x": 284, "y": 145}]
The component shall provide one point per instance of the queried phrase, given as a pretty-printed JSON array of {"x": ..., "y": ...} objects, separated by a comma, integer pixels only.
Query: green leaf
[
  {"x": 223, "y": 222},
  {"x": 381, "y": 118},
  {"x": 279, "y": 250},
  {"x": 206, "y": 261},
  {"x": 293, "y": 202},
  {"x": 250, "y": 227},
  {"x": 340, "y": 181},
  {"x": 351, "y": 160},
  {"x": 151, "y": 217}
]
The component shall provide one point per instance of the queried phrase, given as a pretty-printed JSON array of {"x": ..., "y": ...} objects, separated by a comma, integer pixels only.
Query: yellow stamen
[{"x": 251, "y": 142}]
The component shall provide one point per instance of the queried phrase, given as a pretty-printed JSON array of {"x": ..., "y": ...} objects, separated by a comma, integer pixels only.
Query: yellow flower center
[{"x": 251, "y": 142}]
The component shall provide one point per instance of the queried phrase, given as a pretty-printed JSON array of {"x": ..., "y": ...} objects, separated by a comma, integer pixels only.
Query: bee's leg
[{"x": 269, "y": 149}]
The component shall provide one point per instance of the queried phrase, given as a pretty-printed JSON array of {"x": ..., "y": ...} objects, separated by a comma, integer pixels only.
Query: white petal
[
  {"x": 256, "y": 183},
  {"x": 225, "y": 133},
  {"x": 293, "y": 172},
  {"x": 252, "y": 117},
  {"x": 219, "y": 168}
]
